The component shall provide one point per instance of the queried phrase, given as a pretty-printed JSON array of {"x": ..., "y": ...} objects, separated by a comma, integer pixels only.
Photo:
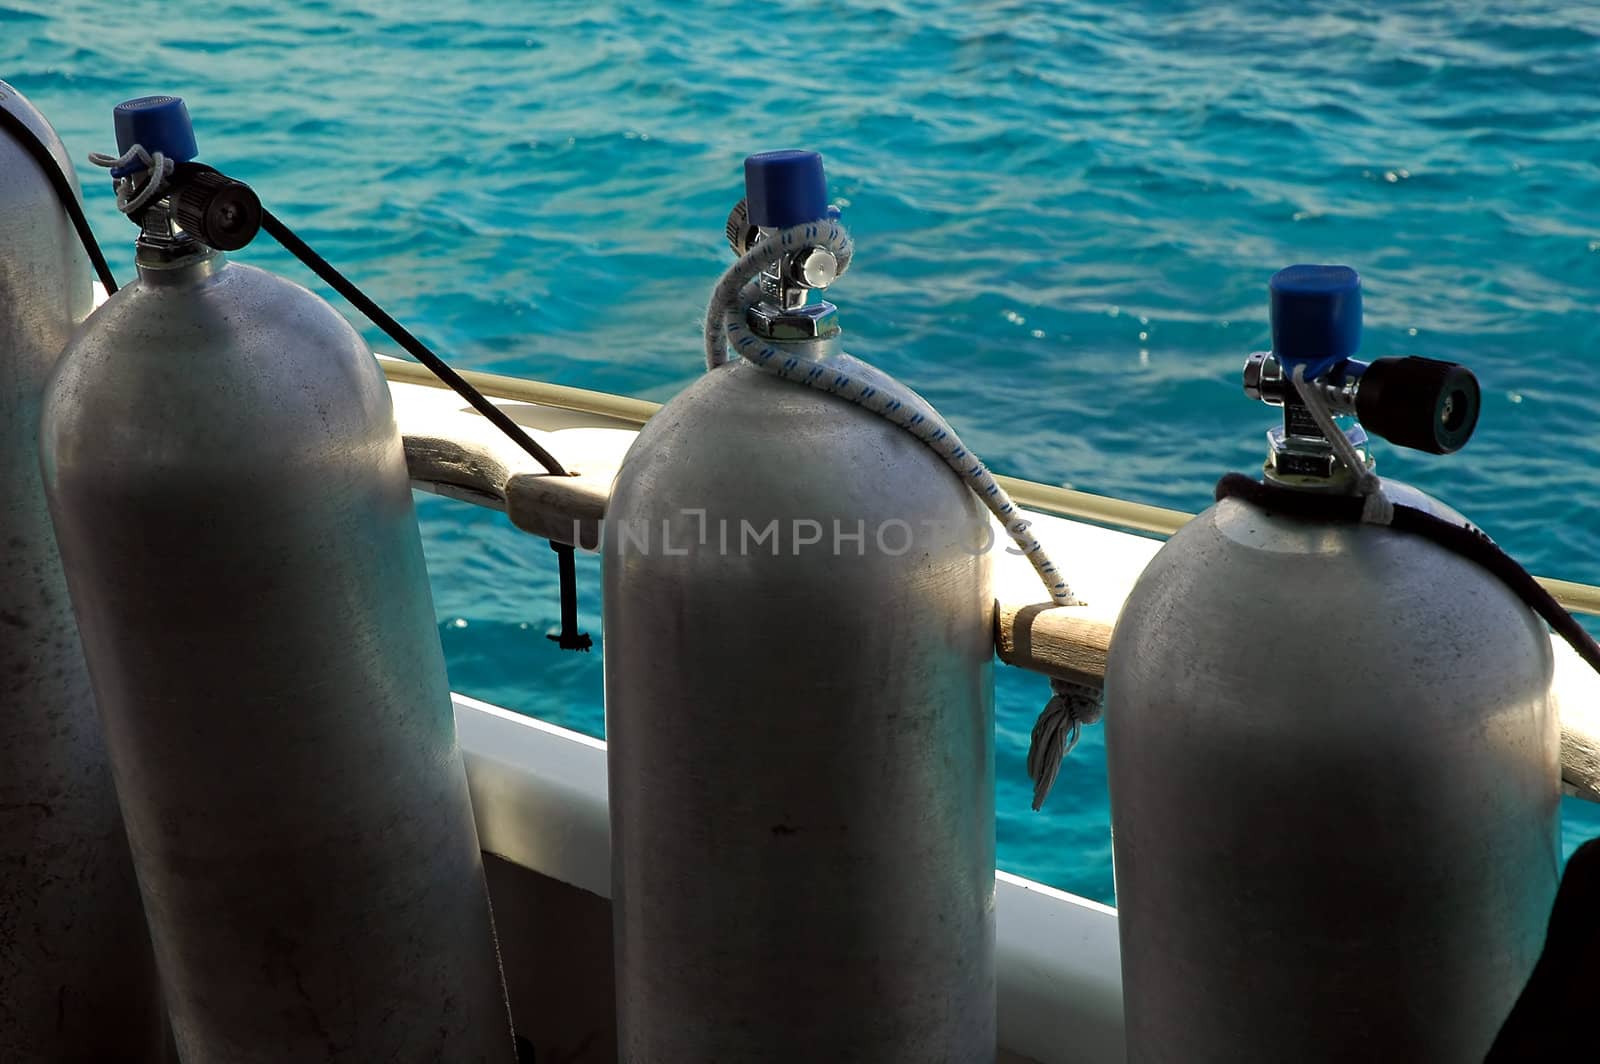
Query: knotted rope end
[{"x": 1060, "y": 725}]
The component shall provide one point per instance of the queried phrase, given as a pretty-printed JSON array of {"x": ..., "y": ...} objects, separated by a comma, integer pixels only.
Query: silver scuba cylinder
[
  {"x": 77, "y": 979},
  {"x": 799, "y": 710},
  {"x": 230, "y": 494},
  {"x": 1333, "y": 758}
]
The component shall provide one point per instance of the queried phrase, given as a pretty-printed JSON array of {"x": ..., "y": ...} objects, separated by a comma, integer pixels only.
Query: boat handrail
[
  {"x": 1065, "y": 502},
  {"x": 453, "y": 451}
]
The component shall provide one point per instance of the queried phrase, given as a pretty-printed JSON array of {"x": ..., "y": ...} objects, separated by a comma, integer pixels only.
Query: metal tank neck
[
  {"x": 163, "y": 246},
  {"x": 813, "y": 348},
  {"x": 181, "y": 263},
  {"x": 809, "y": 321}
]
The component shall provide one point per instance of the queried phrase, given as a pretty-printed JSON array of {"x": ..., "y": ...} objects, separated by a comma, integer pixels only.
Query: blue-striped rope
[{"x": 869, "y": 388}]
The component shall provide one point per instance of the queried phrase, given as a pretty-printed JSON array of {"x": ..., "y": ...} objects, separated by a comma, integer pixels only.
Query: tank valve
[
  {"x": 1421, "y": 403},
  {"x": 783, "y": 189},
  {"x": 190, "y": 204}
]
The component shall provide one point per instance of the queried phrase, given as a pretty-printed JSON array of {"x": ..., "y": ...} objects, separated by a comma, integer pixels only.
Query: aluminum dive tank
[
  {"x": 799, "y": 711},
  {"x": 77, "y": 979},
  {"x": 230, "y": 494},
  {"x": 1333, "y": 764}
]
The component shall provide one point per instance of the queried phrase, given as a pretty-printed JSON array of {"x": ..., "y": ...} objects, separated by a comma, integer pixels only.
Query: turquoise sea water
[{"x": 1065, "y": 212}]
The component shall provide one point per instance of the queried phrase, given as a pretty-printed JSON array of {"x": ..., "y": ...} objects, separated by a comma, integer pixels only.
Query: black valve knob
[
  {"x": 1421, "y": 403},
  {"x": 742, "y": 233},
  {"x": 217, "y": 211}
]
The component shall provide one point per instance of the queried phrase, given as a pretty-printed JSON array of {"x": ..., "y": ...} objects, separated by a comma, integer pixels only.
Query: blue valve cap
[
  {"x": 159, "y": 124},
  {"x": 784, "y": 188},
  {"x": 1316, "y": 317}
]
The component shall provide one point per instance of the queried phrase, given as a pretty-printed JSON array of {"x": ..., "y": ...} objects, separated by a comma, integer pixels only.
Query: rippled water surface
[{"x": 1066, "y": 213}]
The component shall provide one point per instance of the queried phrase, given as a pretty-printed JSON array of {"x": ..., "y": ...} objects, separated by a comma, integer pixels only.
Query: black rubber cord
[
  {"x": 399, "y": 334},
  {"x": 1469, "y": 543},
  {"x": 69, "y": 199},
  {"x": 569, "y": 638}
]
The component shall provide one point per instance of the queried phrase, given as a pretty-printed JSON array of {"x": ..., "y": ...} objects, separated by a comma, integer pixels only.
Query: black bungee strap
[{"x": 1468, "y": 542}]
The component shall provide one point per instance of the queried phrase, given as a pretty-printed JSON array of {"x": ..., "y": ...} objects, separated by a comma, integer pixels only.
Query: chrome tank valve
[
  {"x": 785, "y": 188},
  {"x": 1421, "y": 403}
]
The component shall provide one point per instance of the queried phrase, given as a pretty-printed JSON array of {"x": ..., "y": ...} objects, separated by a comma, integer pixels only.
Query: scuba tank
[
  {"x": 799, "y": 708},
  {"x": 230, "y": 495},
  {"x": 77, "y": 980},
  {"x": 1332, "y": 755}
]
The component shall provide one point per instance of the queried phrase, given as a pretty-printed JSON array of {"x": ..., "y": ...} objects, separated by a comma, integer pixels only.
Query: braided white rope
[
  {"x": 1376, "y": 508},
  {"x": 132, "y": 193},
  {"x": 866, "y": 387}
]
